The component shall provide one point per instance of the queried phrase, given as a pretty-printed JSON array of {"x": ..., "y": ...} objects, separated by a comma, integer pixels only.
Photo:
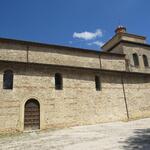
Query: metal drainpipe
[
  {"x": 27, "y": 59},
  {"x": 100, "y": 63},
  {"x": 125, "y": 99},
  {"x": 27, "y": 53}
]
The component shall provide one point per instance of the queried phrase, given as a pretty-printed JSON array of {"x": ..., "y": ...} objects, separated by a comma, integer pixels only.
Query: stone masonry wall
[
  {"x": 13, "y": 52},
  {"x": 62, "y": 57},
  {"x": 77, "y": 104},
  {"x": 137, "y": 95},
  {"x": 110, "y": 62},
  {"x": 130, "y": 49}
]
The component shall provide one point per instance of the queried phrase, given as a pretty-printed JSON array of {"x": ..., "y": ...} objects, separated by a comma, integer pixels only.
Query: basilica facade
[{"x": 49, "y": 86}]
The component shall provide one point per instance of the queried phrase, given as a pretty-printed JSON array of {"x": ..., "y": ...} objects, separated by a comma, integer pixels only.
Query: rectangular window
[
  {"x": 8, "y": 79},
  {"x": 97, "y": 83},
  {"x": 58, "y": 81}
]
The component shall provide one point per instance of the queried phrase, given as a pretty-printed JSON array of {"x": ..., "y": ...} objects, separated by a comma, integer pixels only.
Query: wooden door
[{"x": 32, "y": 115}]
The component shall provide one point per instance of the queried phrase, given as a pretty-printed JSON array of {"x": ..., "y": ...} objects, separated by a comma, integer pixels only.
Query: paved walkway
[{"x": 134, "y": 135}]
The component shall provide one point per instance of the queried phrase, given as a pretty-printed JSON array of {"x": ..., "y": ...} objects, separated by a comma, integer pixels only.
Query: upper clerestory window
[
  {"x": 58, "y": 81},
  {"x": 97, "y": 83},
  {"x": 8, "y": 79},
  {"x": 145, "y": 60}
]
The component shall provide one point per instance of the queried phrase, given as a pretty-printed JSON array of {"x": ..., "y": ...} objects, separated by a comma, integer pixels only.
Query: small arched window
[
  {"x": 145, "y": 60},
  {"x": 58, "y": 81},
  {"x": 8, "y": 79},
  {"x": 135, "y": 59},
  {"x": 97, "y": 83}
]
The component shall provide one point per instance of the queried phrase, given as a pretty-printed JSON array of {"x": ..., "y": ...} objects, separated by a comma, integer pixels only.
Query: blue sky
[{"x": 76, "y": 23}]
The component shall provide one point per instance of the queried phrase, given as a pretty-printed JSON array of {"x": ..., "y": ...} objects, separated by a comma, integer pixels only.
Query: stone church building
[{"x": 48, "y": 86}]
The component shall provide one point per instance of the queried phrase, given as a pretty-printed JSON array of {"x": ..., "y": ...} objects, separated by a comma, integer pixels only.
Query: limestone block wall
[
  {"x": 76, "y": 58},
  {"x": 130, "y": 49},
  {"x": 123, "y": 37},
  {"x": 9, "y": 106},
  {"x": 13, "y": 52},
  {"x": 63, "y": 57},
  {"x": 58, "y": 56},
  {"x": 117, "y": 49},
  {"x": 137, "y": 95},
  {"x": 111, "y": 62},
  {"x": 77, "y": 104}
]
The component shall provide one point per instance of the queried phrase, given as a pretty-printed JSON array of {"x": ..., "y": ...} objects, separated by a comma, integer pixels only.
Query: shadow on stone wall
[{"x": 140, "y": 140}]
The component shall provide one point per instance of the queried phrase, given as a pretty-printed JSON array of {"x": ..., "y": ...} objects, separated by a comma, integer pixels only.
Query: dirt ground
[{"x": 134, "y": 135}]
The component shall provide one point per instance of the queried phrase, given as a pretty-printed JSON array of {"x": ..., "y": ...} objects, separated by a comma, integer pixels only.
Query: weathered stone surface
[
  {"x": 124, "y": 93},
  {"x": 62, "y": 57},
  {"x": 137, "y": 96},
  {"x": 13, "y": 52},
  {"x": 113, "y": 62},
  {"x": 77, "y": 104},
  {"x": 130, "y": 49}
]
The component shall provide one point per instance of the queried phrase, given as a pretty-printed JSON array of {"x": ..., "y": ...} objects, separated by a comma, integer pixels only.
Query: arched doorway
[{"x": 32, "y": 115}]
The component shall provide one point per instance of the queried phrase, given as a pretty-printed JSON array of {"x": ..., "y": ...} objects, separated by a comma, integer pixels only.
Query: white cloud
[
  {"x": 88, "y": 35},
  {"x": 98, "y": 43}
]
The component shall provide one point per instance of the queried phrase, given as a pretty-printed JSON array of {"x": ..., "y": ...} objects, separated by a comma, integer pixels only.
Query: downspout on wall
[{"x": 124, "y": 94}]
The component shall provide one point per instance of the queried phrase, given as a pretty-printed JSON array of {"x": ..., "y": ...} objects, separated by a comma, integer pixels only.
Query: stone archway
[{"x": 32, "y": 115}]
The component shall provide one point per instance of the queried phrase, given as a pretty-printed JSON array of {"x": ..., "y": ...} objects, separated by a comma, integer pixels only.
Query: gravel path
[{"x": 134, "y": 135}]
